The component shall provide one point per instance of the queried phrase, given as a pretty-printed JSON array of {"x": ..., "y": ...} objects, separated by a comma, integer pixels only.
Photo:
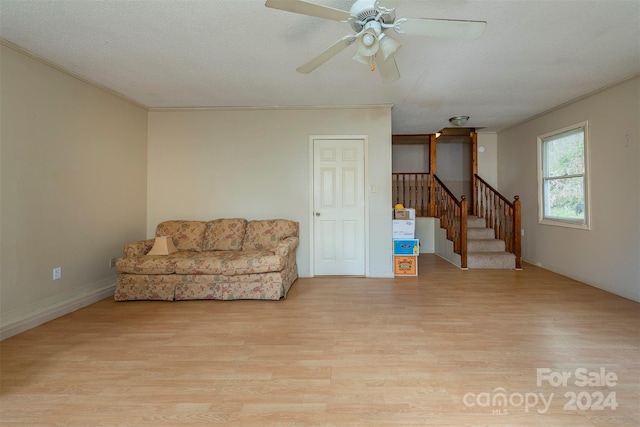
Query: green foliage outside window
[{"x": 563, "y": 158}]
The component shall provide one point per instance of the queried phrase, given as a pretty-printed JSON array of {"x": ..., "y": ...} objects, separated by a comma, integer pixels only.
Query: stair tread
[{"x": 490, "y": 253}]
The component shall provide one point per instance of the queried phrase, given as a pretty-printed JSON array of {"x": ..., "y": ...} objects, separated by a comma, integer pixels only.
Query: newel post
[
  {"x": 517, "y": 236},
  {"x": 463, "y": 232},
  {"x": 431, "y": 209}
]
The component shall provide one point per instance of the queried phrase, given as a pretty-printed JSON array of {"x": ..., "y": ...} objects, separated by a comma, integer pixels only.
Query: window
[{"x": 562, "y": 177}]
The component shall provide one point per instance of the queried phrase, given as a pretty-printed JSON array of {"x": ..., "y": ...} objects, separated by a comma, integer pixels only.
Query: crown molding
[{"x": 273, "y": 107}]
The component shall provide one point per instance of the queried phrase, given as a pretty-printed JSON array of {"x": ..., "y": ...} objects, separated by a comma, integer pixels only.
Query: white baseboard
[{"x": 44, "y": 312}]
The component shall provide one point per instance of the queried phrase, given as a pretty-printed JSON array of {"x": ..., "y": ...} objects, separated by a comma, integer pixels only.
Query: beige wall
[
  {"x": 488, "y": 159},
  {"x": 77, "y": 182},
  {"x": 607, "y": 256},
  {"x": 73, "y": 189},
  {"x": 255, "y": 164}
]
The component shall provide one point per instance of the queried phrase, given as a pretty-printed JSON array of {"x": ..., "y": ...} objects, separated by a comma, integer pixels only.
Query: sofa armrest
[
  {"x": 285, "y": 246},
  {"x": 138, "y": 248}
]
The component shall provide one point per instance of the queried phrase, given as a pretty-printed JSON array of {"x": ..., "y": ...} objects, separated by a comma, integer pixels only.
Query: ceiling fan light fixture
[
  {"x": 368, "y": 39},
  {"x": 365, "y": 60},
  {"x": 367, "y": 43},
  {"x": 388, "y": 46},
  {"x": 459, "y": 120}
]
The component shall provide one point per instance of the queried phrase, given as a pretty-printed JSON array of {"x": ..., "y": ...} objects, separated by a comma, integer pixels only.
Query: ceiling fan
[{"x": 370, "y": 19}]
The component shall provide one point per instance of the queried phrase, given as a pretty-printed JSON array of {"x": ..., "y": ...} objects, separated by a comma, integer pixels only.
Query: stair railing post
[
  {"x": 517, "y": 236},
  {"x": 463, "y": 232}
]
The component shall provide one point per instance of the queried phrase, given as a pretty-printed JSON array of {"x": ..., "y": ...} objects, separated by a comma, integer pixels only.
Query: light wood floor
[{"x": 428, "y": 351}]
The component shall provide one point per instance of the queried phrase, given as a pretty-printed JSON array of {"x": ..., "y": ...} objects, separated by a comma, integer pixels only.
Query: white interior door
[{"x": 338, "y": 207}]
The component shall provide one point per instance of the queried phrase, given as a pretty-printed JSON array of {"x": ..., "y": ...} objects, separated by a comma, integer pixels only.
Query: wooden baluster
[
  {"x": 407, "y": 199},
  {"x": 490, "y": 208},
  {"x": 508, "y": 226},
  {"x": 450, "y": 216},
  {"x": 452, "y": 225},
  {"x": 415, "y": 189},
  {"x": 436, "y": 202},
  {"x": 447, "y": 219},
  {"x": 416, "y": 184},
  {"x": 394, "y": 188},
  {"x": 501, "y": 235},
  {"x": 404, "y": 190},
  {"x": 492, "y": 213},
  {"x": 516, "y": 231},
  {"x": 487, "y": 207},
  {"x": 432, "y": 196},
  {"x": 463, "y": 232},
  {"x": 422, "y": 212},
  {"x": 410, "y": 194},
  {"x": 483, "y": 196},
  {"x": 475, "y": 200},
  {"x": 480, "y": 186}
]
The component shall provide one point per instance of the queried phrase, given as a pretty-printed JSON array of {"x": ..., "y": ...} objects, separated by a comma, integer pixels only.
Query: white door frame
[{"x": 365, "y": 139}]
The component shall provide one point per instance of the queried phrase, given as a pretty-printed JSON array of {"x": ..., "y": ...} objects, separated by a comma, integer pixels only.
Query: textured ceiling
[{"x": 533, "y": 56}]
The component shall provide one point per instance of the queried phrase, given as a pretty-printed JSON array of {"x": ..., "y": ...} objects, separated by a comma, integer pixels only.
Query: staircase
[
  {"x": 484, "y": 251},
  {"x": 461, "y": 237}
]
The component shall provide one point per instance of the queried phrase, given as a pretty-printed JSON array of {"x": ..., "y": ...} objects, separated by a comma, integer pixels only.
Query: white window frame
[{"x": 564, "y": 222}]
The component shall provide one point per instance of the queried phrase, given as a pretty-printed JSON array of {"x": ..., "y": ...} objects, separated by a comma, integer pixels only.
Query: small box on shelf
[
  {"x": 405, "y": 265},
  {"x": 404, "y": 213},
  {"x": 406, "y": 247},
  {"x": 404, "y": 229}
]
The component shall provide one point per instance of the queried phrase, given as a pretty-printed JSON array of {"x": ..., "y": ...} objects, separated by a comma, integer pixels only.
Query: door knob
[{"x": 317, "y": 213}]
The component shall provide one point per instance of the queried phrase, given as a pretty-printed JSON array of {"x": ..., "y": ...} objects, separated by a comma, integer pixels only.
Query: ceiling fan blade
[
  {"x": 326, "y": 55},
  {"x": 440, "y": 27},
  {"x": 388, "y": 69},
  {"x": 311, "y": 9},
  {"x": 389, "y": 4}
]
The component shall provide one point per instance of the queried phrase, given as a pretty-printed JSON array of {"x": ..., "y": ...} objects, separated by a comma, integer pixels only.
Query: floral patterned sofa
[{"x": 224, "y": 259}]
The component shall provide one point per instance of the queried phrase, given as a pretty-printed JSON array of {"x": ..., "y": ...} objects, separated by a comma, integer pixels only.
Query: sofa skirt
[{"x": 175, "y": 287}]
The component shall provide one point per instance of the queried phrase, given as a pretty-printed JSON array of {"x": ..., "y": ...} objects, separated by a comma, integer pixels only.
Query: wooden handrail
[
  {"x": 453, "y": 218},
  {"x": 503, "y": 216}
]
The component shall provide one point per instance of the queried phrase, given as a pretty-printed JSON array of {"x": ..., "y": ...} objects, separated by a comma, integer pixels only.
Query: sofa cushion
[
  {"x": 225, "y": 234},
  {"x": 187, "y": 235},
  {"x": 207, "y": 262},
  {"x": 253, "y": 261},
  {"x": 230, "y": 263},
  {"x": 263, "y": 234},
  {"x": 147, "y": 264}
]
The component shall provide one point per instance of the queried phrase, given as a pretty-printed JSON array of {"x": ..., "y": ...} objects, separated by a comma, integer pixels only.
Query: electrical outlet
[
  {"x": 112, "y": 262},
  {"x": 57, "y": 273},
  {"x": 522, "y": 231}
]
